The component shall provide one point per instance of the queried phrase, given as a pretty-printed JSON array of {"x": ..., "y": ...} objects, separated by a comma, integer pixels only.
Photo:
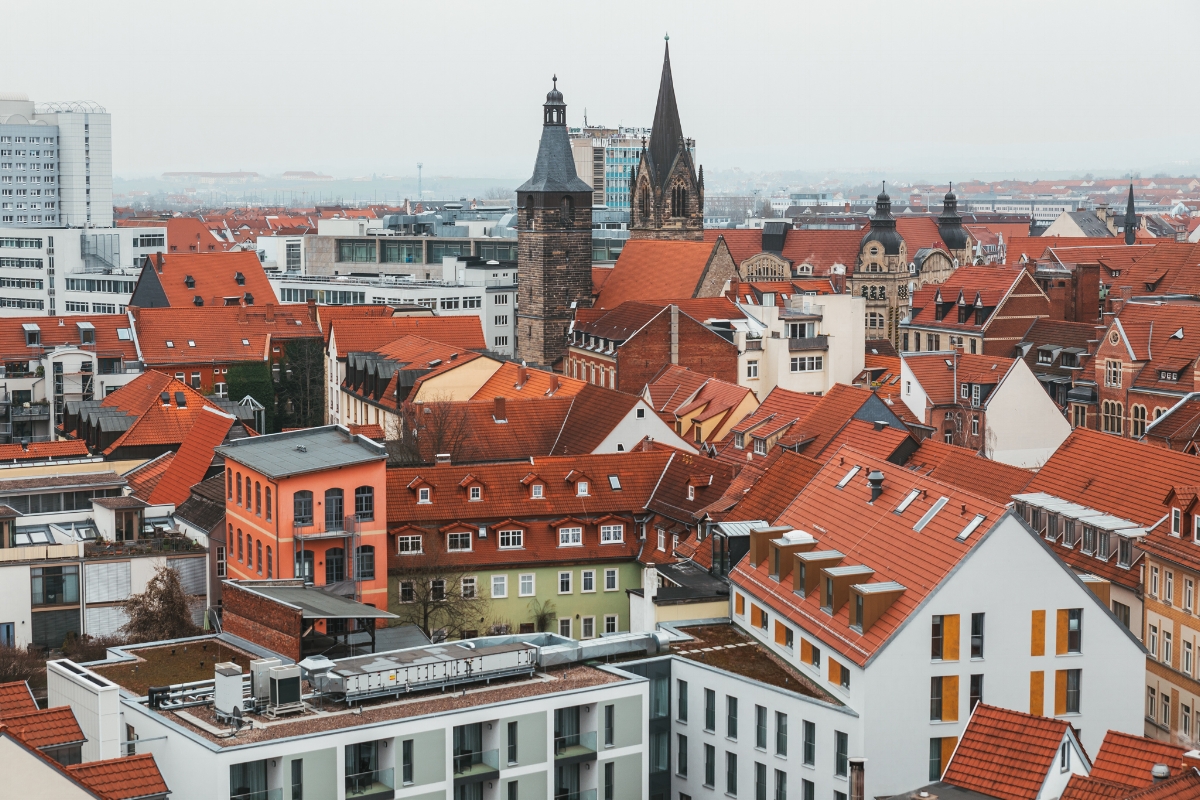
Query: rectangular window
[
  {"x": 525, "y": 586},
  {"x": 710, "y": 710},
  {"x": 937, "y": 638},
  {"x": 499, "y": 586},
  {"x": 935, "y": 698},
  {"x": 760, "y": 781},
  {"x": 458, "y": 542},
  {"x": 610, "y": 781},
  {"x": 808, "y": 363},
  {"x": 760, "y": 727},
  {"x": 731, "y": 774},
  {"x": 1074, "y": 630},
  {"x": 751, "y": 369},
  {"x": 681, "y": 711},
  {"x": 610, "y": 712},
  {"x": 1187, "y": 658},
  {"x": 220, "y": 562},
  {"x": 406, "y": 761},
  {"x": 512, "y": 539},
  {"x": 611, "y": 623},
  {"x": 564, "y": 582},
  {"x": 841, "y": 754},
  {"x": 731, "y": 717},
  {"x": 512, "y": 743},
  {"x": 468, "y": 588},
  {"x": 1074, "y": 677},
  {"x": 808, "y": 789},
  {"x": 781, "y": 733},
  {"x": 588, "y": 580},
  {"x": 710, "y": 765},
  {"x": 977, "y": 635},
  {"x": 589, "y": 628},
  {"x": 570, "y": 537},
  {"x": 976, "y": 690},
  {"x": 610, "y": 580},
  {"x": 681, "y": 755}
]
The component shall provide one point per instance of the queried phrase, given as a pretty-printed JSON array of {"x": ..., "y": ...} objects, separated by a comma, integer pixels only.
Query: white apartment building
[
  {"x": 802, "y": 344},
  {"x": 908, "y": 601},
  {"x": 500, "y": 718}
]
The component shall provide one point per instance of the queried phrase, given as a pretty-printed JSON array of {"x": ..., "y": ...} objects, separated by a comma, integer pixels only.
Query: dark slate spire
[
  {"x": 950, "y": 226},
  {"x": 554, "y": 170},
  {"x": 1131, "y": 221},
  {"x": 666, "y": 138},
  {"x": 883, "y": 226}
]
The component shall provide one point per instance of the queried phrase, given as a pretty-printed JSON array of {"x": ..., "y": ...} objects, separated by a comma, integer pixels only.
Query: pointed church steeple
[
  {"x": 668, "y": 195},
  {"x": 1131, "y": 220}
]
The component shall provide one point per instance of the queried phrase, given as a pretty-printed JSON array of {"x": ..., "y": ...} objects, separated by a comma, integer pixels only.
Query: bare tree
[
  {"x": 433, "y": 594},
  {"x": 499, "y": 193},
  {"x": 21, "y": 664},
  {"x": 160, "y": 612},
  {"x": 766, "y": 211},
  {"x": 427, "y": 430}
]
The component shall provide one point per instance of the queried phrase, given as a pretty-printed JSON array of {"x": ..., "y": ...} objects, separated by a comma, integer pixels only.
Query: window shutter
[
  {"x": 739, "y": 604},
  {"x": 1060, "y": 690},
  {"x": 950, "y": 632},
  {"x": 948, "y": 745},
  {"x": 1037, "y": 643},
  {"x": 1060, "y": 634},
  {"x": 780, "y": 633},
  {"x": 756, "y": 615},
  {"x": 950, "y": 698},
  {"x": 1037, "y": 688},
  {"x": 106, "y": 582},
  {"x": 835, "y": 672},
  {"x": 806, "y": 651},
  {"x": 191, "y": 573},
  {"x": 105, "y": 620}
]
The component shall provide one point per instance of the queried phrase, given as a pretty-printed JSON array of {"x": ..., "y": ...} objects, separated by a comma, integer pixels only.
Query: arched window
[
  {"x": 529, "y": 211},
  {"x": 364, "y": 503},
  {"x": 335, "y": 565},
  {"x": 646, "y": 204},
  {"x": 568, "y": 209},
  {"x": 270, "y": 563},
  {"x": 248, "y": 483},
  {"x": 364, "y": 563},
  {"x": 241, "y": 555},
  {"x": 302, "y": 507},
  {"x": 258, "y": 555},
  {"x": 258, "y": 498},
  {"x": 249, "y": 552},
  {"x": 229, "y": 483},
  {"x": 1112, "y": 416},
  {"x": 239, "y": 488},
  {"x": 335, "y": 510},
  {"x": 268, "y": 504},
  {"x": 1137, "y": 425}
]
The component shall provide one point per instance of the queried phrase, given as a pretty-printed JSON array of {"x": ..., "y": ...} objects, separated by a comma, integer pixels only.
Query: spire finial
[
  {"x": 666, "y": 37},
  {"x": 555, "y": 79}
]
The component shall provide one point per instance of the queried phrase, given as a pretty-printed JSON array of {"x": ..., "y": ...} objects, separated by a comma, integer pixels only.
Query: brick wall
[
  {"x": 262, "y": 621},
  {"x": 700, "y": 350}
]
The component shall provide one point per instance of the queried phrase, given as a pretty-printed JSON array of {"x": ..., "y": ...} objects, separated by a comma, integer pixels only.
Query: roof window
[
  {"x": 191, "y": 342},
  {"x": 907, "y": 501},
  {"x": 239, "y": 278},
  {"x": 249, "y": 298},
  {"x": 165, "y": 397},
  {"x": 198, "y": 300},
  {"x": 170, "y": 343},
  {"x": 849, "y": 476},
  {"x": 971, "y": 526},
  {"x": 123, "y": 334},
  {"x": 87, "y": 332},
  {"x": 246, "y": 342},
  {"x": 614, "y": 483},
  {"x": 181, "y": 399},
  {"x": 930, "y": 514}
]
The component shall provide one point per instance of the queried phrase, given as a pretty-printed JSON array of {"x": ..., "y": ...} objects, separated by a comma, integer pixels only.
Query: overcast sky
[{"x": 359, "y": 88}]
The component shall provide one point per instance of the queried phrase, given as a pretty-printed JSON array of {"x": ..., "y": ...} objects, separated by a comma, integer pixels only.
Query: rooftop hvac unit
[
  {"x": 227, "y": 693},
  {"x": 260, "y": 670},
  {"x": 284, "y": 690}
]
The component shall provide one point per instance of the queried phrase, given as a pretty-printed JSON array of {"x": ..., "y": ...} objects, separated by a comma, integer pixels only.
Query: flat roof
[
  {"x": 58, "y": 482},
  {"x": 317, "y": 603},
  {"x": 278, "y": 455},
  {"x": 428, "y": 654}
]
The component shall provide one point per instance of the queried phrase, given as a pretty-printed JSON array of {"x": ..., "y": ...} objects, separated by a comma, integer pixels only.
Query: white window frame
[
  {"x": 537, "y": 492},
  {"x": 581, "y": 489},
  {"x": 612, "y": 623},
  {"x": 450, "y": 538},
  {"x": 584, "y": 577},
  {"x": 615, "y": 574},
  {"x": 500, "y": 581},
  {"x": 516, "y": 535},
  {"x": 408, "y": 539},
  {"x": 612, "y": 534},
  {"x": 567, "y": 537},
  {"x": 587, "y": 628},
  {"x": 564, "y": 623},
  {"x": 424, "y": 496},
  {"x": 662, "y": 540},
  {"x": 751, "y": 370},
  {"x": 1176, "y": 521},
  {"x": 475, "y": 494},
  {"x": 473, "y": 583},
  {"x": 521, "y": 584},
  {"x": 569, "y": 577},
  {"x": 1187, "y": 658}
]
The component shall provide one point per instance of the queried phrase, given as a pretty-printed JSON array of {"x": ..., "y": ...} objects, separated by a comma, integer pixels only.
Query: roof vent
[
  {"x": 875, "y": 481},
  {"x": 198, "y": 300},
  {"x": 300, "y": 448},
  {"x": 1160, "y": 772},
  {"x": 442, "y": 458},
  {"x": 239, "y": 278},
  {"x": 880, "y": 424},
  {"x": 181, "y": 400},
  {"x": 166, "y": 398}
]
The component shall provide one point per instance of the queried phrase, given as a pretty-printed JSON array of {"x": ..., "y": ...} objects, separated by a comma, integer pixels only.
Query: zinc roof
[{"x": 279, "y": 455}]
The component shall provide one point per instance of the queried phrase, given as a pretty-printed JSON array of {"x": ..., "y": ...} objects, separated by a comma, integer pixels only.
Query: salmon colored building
[{"x": 310, "y": 504}]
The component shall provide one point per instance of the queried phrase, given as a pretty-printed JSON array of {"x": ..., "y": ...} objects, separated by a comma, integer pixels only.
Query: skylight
[
  {"x": 907, "y": 501},
  {"x": 191, "y": 342},
  {"x": 930, "y": 514},
  {"x": 971, "y": 526},
  {"x": 849, "y": 476},
  {"x": 170, "y": 343},
  {"x": 614, "y": 483},
  {"x": 246, "y": 342},
  {"x": 123, "y": 334}
]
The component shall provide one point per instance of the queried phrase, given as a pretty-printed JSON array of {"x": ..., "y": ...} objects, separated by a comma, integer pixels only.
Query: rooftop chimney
[
  {"x": 553, "y": 385},
  {"x": 442, "y": 458},
  {"x": 522, "y": 376},
  {"x": 270, "y": 309},
  {"x": 159, "y": 262},
  {"x": 498, "y": 412},
  {"x": 875, "y": 481},
  {"x": 1160, "y": 772}
]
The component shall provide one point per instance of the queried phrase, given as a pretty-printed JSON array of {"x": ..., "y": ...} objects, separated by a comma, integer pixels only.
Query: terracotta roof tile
[
  {"x": 1005, "y": 754},
  {"x": 367, "y": 335},
  {"x": 122, "y": 778},
  {"x": 988, "y": 285},
  {"x": 202, "y": 336},
  {"x": 962, "y": 466},
  {"x": 623, "y": 321},
  {"x": 1081, "y": 787},
  {"x": 157, "y": 424},
  {"x": 820, "y": 249},
  {"x": 1126, "y": 758},
  {"x": 326, "y": 315},
  {"x": 593, "y": 414},
  {"x": 872, "y": 534},
  {"x": 193, "y": 458},
  {"x": 1182, "y": 787},
  {"x": 43, "y": 451},
  {"x": 827, "y": 419},
  {"x": 46, "y": 728},
  {"x": 708, "y": 477},
  {"x": 655, "y": 270},
  {"x": 143, "y": 479},
  {"x": 57, "y": 331},
  {"x": 505, "y": 383},
  {"x": 213, "y": 278},
  {"x": 1152, "y": 331},
  {"x": 371, "y": 431},
  {"x": 863, "y": 436},
  {"x": 780, "y": 483},
  {"x": 941, "y": 382},
  {"x": 15, "y": 698},
  {"x": 1035, "y": 246}
]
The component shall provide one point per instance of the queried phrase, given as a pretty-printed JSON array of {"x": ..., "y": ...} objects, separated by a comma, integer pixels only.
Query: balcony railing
[
  {"x": 576, "y": 746},
  {"x": 585, "y": 794},
  {"x": 325, "y": 529},
  {"x": 375, "y": 784},
  {"x": 142, "y": 547},
  {"x": 33, "y": 412},
  {"x": 808, "y": 343},
  {"x": 261, "y": 794},
  {"x": 477, "y": 764}
]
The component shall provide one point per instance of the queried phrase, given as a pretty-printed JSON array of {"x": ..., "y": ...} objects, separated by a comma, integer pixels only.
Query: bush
[
  {"x": 19, "y": 664},
  {"x": 90, "y": 648}
]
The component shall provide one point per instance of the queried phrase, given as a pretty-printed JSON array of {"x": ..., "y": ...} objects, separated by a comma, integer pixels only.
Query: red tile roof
[
  {"x": 51, "y": 727},
  {"x": 371, "y": 431},
  {"x": 43, "y": 451},
  {"x": 58, "y": 331},
  {"x": 817, "y": 429},
  {"x": 193, "y": 458},
  {"x": 962, "y": 466},
  {"x": 1035, "y": 246},
  {"x": 863, "y": 436},
  {"x": 367, "y": 335},
  {"x": 16, "y": 698},
  {"x": 157, "y": 424},
  {"x": 505, "y": 382},
  {"x": 941, "y": 382},
  {"x": 673, "y": 396},
  {"x": 624, "y": 321},
  {"x": 780, "y": 483},
  {"x": 872, "y": 534},
  {"x": 1183, "y": 787},
  {"x": 920, "y": 233},
  {"x": 185, "y": 235},
  {"x": 143, "y": 479},
  {"x": 222, "y": 335},
  {"x": 1080, "y": 787},
  {"x": 599, "y": 276},
  {"x": 1005, "y": 754},
  {"x": 1152, "y": 331},
  {"x": 122, "y": 778},
  {"x": 327, "y": 314},
  {"x": 819, "y": 249},
  {"x": 655, "y": 270},
  {"x": 214, "y": 279},
  {"x": 1126, "y": 758},
  {"x": 986, "y": 285}
]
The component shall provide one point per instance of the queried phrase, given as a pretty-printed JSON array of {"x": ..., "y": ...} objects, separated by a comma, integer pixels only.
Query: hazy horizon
[{"x": 919, "y": 89}]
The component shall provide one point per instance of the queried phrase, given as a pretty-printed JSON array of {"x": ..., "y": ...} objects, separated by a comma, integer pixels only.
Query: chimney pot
[
  {"x": 553, "y": 384},
  {"x": 879, "y": 424},
  {"x": 875, "y": 481},
  {"x": 522, "y": 375}
]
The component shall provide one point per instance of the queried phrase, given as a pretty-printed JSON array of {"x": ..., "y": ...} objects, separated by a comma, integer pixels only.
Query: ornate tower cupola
[
  {"x": 554, "y": 242},
  {"x": 883, "y": 226},
  {"x": 950, "y": 226},
  {"x": 1131, "y": 220},
  {"x": 668, "y": 191}
]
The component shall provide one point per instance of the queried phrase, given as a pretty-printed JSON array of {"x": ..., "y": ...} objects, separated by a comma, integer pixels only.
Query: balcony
[
  {"x": 326, "y": 528},
  {"x": 808, "y": 343},
  {"x": 35, "y": 411},
  {"x": 262, "y": 794},
  {"x": 575, "y": 748},
  {"x": 585, "y": 794},
  {"x": 473, "y": 767},
  {"x": 38, "y": 552},
  {"x": 141, "y": 547},
  {"x": 372, "y": 785}
]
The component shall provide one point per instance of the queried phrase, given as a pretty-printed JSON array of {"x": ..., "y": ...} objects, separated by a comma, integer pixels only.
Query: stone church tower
[
  {"x": 554, "y": 243},
  {"x": 668, "y": 195}
]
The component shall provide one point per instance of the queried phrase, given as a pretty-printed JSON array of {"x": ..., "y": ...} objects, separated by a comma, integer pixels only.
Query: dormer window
[
  {"x": 87, "y": 333},
  {"x": 537, "y": 491},
  {"x": 581, "y": 489},
  {"x": 1045, "y": 356},
  {"x": 1176, "y": 521},
  {"x": 189, "y": 282},
  {"x": 739, "y": 441},
  {"x": 476, "y": 493},
  {"x": 760, "y": 447},
  {"x": 239, "y": 278},
  {"x": 33, "y": 335},
  {"x": 423, "y": 495},
  {"x": 691, "y": 492}
]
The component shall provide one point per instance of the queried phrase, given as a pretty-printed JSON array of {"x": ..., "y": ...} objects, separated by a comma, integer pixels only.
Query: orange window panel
[
  {"x": 950, "y": 642},
  {"x": 1060, "y": 632},
  {"x": 806, "y": 651},
  {"x": 1037, "y": 691},
  {"x": 948, "y": 745},
  {"x": 1060, "y": 691},
  {"x": 1037, "y": 638},
  {"x": 950, "y": 698},
  {"x": 780, "y": 633},
  {"x": 739, "y": 604}
]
